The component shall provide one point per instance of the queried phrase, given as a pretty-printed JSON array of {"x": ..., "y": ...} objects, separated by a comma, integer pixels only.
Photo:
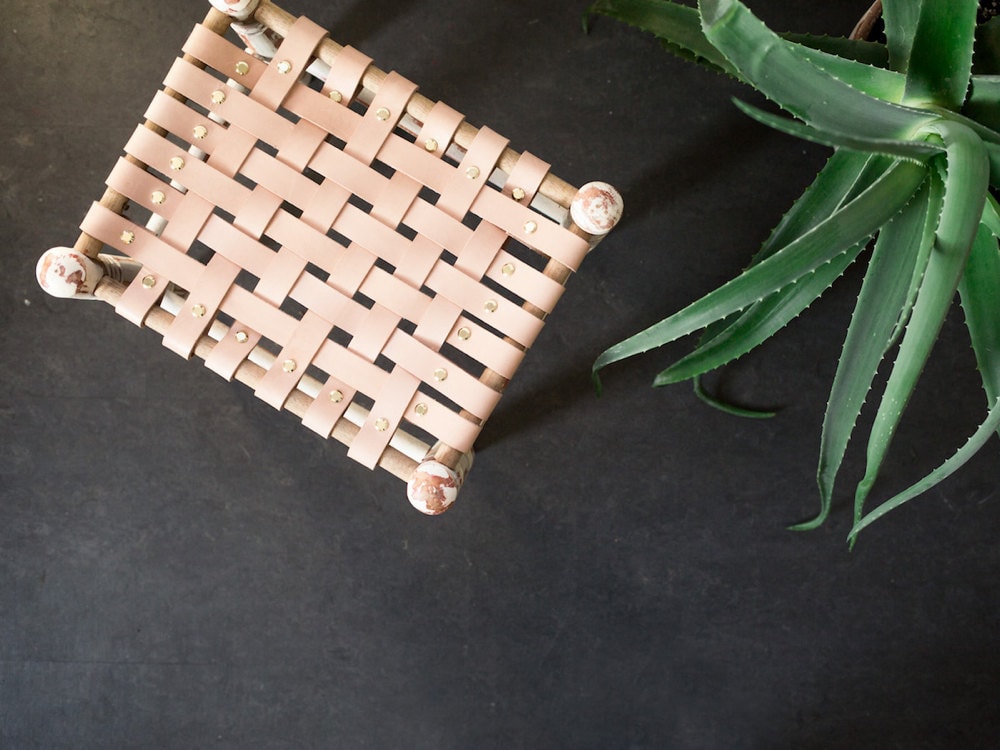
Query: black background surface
[{"x": 183, "y": 567}]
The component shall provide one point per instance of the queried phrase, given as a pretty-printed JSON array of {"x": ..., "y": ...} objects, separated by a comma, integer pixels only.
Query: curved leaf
[
  {"x": 945, "y": 470},
  {"x": 784, "y": 73},
  {"x": 893, "y": 263},
  {"x": 964, "y": 197},
  {"x": 979, "y": 291},
  {"x": 915, "y": 150},
  {"x": 940, "y": 60},
  {"x": 853, "y": 223},
  {"x": 678, "y": 28},
  {"x": 858, "y": 50},
  {"x": 759, "y": 322},
  {"x": 723, "y": 406},
  {"x": 900, "y": 19}
]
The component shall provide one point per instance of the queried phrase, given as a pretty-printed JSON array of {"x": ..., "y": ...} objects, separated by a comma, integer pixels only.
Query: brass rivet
[
  {"x": 148, "y": 282},
  {"x": 336, "y": 96},
  {"x": 199, "y": 311},
  {"x": 382, "y": 114},
  {"x": 336, "y": 396},
  {"x": 381, "y": 424},
  {"x": 518, "y": 194},
  {"x": 176, "y": 163},
  {"x": 200, "y": 132},
  {"x": 218, "y": 96},
  {"x": 158, "y": 197},
  {"x": 420, "y": 409},
  {"x": 284, "y": 67},
  {"x": 464, "y": 333},
  {"x": 242, "y": 337},
  {"x": 508, "y": 269},
  {"x": 440, "y": 374},
  {"x": 128, "y": 237},
  {"x": 431, "y": 145},
  {"x": 289, "y": 365},
  {"x": 530, "y": 227},
  {"x": 472, "y": 173},
  {"x": 242, "y": 68},
  {"x": 491, "y": 306}
]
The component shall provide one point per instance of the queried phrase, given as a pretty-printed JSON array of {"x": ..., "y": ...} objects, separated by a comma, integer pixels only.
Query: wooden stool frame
[{"x": 395, "y": 260}]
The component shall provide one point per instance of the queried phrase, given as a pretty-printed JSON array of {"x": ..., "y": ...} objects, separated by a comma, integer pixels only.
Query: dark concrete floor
[{"x": 182, "y": 567}]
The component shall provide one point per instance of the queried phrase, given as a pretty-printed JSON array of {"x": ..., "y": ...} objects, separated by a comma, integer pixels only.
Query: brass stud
[
  {"x": 464, "y": 333},
  {"x": 336, "y": 396},
  {"x": 336, "y": 96},
  {"x": 199, "y": 311},
  {"x": 242, "y": 68},
  {"x": 381, "y": 424},
  {"x": 218, "y": 96},
  {"x": 242, "y": 337},
  {"x": 289, "y": 365},
  {"x": 518, "y": 194},
  {"x": 127, "y": 236},
  {"x": 176, "y": 163},
  {"x": 148, "y": 282},
  {"x": 472, "y": 173},
  {"x": 530, "y": 227},
  {"x": 284, "y": 67},
  {"x": 158, "y": 197},
  {"x": 491, "y": 306},
  {"x": 200, "y": 132},
  {"x": 440, "y": 374},
  {"x": 420, "y": 409},
  {"x": 382, "y": 114},
  {"x": 431, "y": 145},
  {"x": 508, "y": 269}
]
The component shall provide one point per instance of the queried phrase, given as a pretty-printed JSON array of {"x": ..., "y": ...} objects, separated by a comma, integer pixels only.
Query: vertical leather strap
[
  {"x": 345, "y": 75},
  {"x": 290, "y": 61}
]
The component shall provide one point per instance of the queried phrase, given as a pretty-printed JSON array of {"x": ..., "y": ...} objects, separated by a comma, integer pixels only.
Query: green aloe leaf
[
  {"x": 678, "y": 28},
  {"x": 904, "y": 149},
  {"x": 979, "y": 291},
  {"x": 900, "y": 19},
  {"x": 986, "y": 54},
  {"x": 966, "y": 182},
  {"x": 983, "y": 103},
  {"x": 784, "y": 73},
  {"x": 858, "y": 50},
  {"x": 869, "y": 78},
  {"x": 940, "y": 60},
  {"x": 759, "y": 322},
  {"x": 853, "y": 223},
  {"x": 845, "y": 175},
  {"x": 886, "y": 285},
  {"x": 723, "y": 406},
  {"x": 981, "y": 436}
]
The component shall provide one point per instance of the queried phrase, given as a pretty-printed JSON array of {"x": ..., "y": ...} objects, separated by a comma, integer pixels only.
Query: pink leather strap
[
  {"x": 345, "y": 75},
  {"x": 466, "y": 182},
  {"x": 526, "y": 177},
  {"x": 384, "y": 112},
  {"x": 439, "y": 128},
  {"x": 293, "y": 360},
  {"x": 227, "y": 355},
  {"x": 289, "y": 63}
]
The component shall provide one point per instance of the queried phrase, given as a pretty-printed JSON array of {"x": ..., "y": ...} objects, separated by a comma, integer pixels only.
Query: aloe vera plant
[{"x": 916, "y": 154}]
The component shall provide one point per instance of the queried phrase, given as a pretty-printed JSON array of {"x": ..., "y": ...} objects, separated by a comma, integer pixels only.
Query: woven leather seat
[{"x": 317, "y": 229}]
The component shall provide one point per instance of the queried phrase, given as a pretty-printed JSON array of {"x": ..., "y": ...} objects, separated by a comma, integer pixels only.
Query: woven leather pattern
[{"x": 310, "y": 225}]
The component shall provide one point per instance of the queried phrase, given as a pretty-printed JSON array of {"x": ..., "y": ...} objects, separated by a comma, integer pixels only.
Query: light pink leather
[
  {"x": 408, "y": 263},
  {"x": 527, "y": 174},
  {"x": 346, "y": 74}
]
